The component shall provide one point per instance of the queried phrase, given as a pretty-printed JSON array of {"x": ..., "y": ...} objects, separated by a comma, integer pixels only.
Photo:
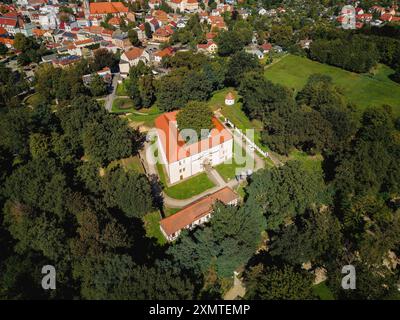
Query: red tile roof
[
  {"x": 175, "y": 147},
  {"x": 134, "y": 53},
  {"x": 196, "y": 210},
  {"x": 6, "y": 21},
  {"x": 165, "y": 52},
  {"x": 107, "y": 7},
  {"x": 230, "y": 96}
]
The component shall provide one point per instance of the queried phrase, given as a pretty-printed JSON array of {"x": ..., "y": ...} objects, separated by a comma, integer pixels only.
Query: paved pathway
[
  {"x": 238, "y": 289},
  {"x": 110, "y": 98}
]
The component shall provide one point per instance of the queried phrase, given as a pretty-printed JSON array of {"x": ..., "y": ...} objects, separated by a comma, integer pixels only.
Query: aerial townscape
[{"x": 200, "y": 149}]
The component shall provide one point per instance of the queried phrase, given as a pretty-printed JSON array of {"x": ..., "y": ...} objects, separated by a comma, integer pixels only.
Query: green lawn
[
  {"x": 170, "y": 211},
  {"x": 122, "y": 88},
  {"x": 309, "y": 162},
  {"x": 187, "y": 188},
  {"x": 133, "y": 163},
  {"x": 322, "y": 291},
  {"x": 364, "y": 90},
  {"x": 145, "y": 116},
  {"x": 152, "y": 226},
  {"x": 33, "y": 100},
  {"x": 227, "y": 170},
  {"x": 122, "y": 105}
]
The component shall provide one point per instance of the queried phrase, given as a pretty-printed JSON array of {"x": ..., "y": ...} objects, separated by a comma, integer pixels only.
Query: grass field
[
  {"x": 187, "y": 188},
  {"x": 152, "y": 226},
  {"x": 323, "y": 292},
  {"x": 312, "y": 163},
  {"x": 122, "y": 88},
  {"x": 145, "y": 116},
  {"x": 122, "y": 105},
  {"x": 133, "y": 163},
  {"x": 364, "y": 90},
  {"x": 227, "y": 170}
]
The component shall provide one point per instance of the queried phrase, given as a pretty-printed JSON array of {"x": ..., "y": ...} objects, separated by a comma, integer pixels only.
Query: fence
[{"x": 243, "y": 136}]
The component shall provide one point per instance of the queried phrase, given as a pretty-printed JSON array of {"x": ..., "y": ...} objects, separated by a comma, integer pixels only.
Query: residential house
[
  {"x": 209, "y": 47},
  {"x": 14, "y": 23},
  {"x": 162, "y": 34},
  {"x": 184, "y": 5},
  {"x": 102, "y": 9},
  {"x": 131, "y": 58},
  {"x": 266, "y": 48},
  {"x": 255, "y": 52},
  {"x": 167, "y": 52}
]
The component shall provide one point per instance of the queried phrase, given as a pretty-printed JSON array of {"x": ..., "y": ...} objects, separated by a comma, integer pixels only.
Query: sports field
[{"x": 363, "y": 90}]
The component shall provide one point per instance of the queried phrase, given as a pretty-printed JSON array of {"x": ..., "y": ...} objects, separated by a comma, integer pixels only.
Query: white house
[
  {"x": 184, "y": 5},
  {"x": 230, "y": 99},
  {"x": 196, "y": 213},
  {"x": 262, "y": 12},
  {"x": 131, "y": 58},
  {"x": 255, "y": 52},
  {"x": 183, "y": 160}
]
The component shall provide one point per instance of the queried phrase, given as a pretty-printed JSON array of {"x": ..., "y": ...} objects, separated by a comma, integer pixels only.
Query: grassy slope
[
  {"x": 152, "y": 225},
  {"x": 323, "y": 292},
  {"x": 187, "y": 188},
  {"x": 364, "y": 90}
]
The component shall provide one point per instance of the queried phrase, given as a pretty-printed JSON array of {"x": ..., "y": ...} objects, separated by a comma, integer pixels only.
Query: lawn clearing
[
  {"x": 152, "y": 226},
  {"x": 364, "y": 90},
  {"x": 187, "y": 188},
  {"x": 145, "y": 116},
  {"x": 231, "y": 167},
  {"x": 133, "y": 163},
  {"x": 170, "y": 211},
  {"x": 322, "y": 291},
  {"x": 312, "y": 163},
  {"x": 122, "y": 88},
  {"x": 122, "y": 105}
]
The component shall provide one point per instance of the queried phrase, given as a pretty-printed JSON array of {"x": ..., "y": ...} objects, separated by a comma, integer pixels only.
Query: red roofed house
[
  {"x": 196, "y": 213},
  {"x": 163, "y": 53},
  {"x": 14, "y": 23},
  {"x": 183, "y": 160},
  {"x": 131, "y": 58},
  {"x": 210, "y": 47},
  {"x": 102, "y": 9},
  {"x": 184, "y": 5},
  {"x": 162, "y": 34},
  {"x": 386, "y": 17}
]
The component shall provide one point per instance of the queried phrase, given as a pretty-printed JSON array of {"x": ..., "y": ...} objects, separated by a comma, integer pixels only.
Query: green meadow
[{"x": 363, "y": 90}]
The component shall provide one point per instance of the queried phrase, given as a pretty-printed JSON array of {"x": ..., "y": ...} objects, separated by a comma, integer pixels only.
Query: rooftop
[
  {"x": 196, "y": 210},
  {"x": 176, "y": 148}
]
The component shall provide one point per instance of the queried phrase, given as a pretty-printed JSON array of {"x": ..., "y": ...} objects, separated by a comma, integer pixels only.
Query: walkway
[
  {"x": 110, "y": 98},
  {"x": 238, "y": 289}
]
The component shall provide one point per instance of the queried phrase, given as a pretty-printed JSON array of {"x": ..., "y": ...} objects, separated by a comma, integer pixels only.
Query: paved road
[{"x": 110, "y": 98}]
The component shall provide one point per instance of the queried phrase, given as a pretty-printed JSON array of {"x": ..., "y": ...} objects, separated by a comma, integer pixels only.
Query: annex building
[{"x": 196, "y": 213}]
